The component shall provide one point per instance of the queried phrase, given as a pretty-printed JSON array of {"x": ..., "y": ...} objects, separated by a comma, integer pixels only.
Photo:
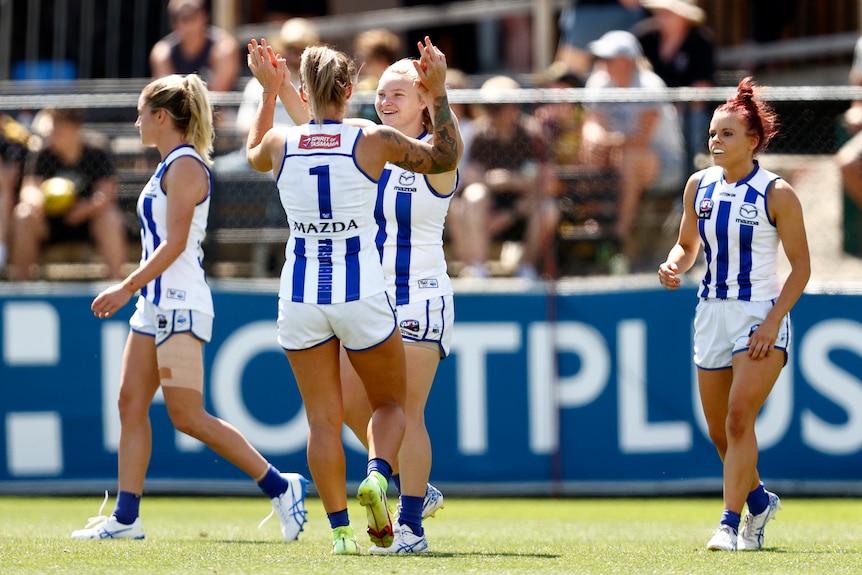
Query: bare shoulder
[
  {"x": 224, "y": 39},
  {"x": 782, "y": 199},
  {"x": 781, "y": 191},
  {"x": 360, "y": 122},
  {"x": 160, "y": 52},
  {"x": 382, "y": 134},
  {"x": 693, "y": 181},
  {"x": 185, "y": 169}
]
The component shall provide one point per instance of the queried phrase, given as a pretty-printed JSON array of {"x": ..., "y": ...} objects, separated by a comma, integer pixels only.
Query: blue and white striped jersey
[
  {"x": 329, "y": 201},
  {"x": 411, "y": 216},
  {"x": 183, "y": 285},
  {"x": 739, "y": 239}
]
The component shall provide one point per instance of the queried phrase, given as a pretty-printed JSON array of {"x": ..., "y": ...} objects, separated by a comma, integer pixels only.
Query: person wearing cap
[
  {"x": 641, "y": 141},
  {"x": 508, "y": 186},
  {"x": 681, "y": 50},
  {"x": 196, "y": 46}
]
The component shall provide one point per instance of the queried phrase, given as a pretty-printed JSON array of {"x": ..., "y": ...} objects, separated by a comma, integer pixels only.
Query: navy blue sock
[
  {"x": 730, "y": 519},
  {"x": 273, "y": 484},
  {"x": 758, "y": 500},
  {"x": 338, "y": 519},
  {"x": 381, "y": 467},
  {"x": 127, "y": 507},
  {"x": 396, "y": 479},
  {"x": 411, "y": 513}
]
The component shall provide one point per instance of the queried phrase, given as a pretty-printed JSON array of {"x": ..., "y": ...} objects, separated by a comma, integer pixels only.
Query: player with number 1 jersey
[{"x": 330, "y": 256}]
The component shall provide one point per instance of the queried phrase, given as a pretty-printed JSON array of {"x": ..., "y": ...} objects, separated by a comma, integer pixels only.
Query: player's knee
[{"x": 186, "y": 419}]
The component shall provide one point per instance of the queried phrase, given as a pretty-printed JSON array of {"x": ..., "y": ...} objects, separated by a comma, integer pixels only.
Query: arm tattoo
[{"x": 443, "y": 156}]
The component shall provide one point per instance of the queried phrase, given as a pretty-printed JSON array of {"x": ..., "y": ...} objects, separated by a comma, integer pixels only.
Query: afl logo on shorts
[
  {"x": 704, "y": 211},
  {"x": 410, "y": 324}
]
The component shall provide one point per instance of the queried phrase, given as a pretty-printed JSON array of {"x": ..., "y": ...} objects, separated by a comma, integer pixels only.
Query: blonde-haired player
[{"x": 174, "y": 313}]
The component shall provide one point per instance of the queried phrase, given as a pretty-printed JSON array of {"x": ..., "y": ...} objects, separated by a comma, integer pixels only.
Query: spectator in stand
[
  {"x": 508, "y": 188},
  {"x": 14, "y": 139},
  {"x": 196, "y": 46},
  {"x": 296, "y": 34},
  {"x": 561, "y": 121},
  {"x": 457, "y": 80},
  {"x": 681, "y": 50},
  {"x": 849, "y": 156},
  {"x": 641, "y": 141},
  {"x": 86, "y": 205},
  {"x": 585, "y": 21},
  {"x": 374, "y": 51}
]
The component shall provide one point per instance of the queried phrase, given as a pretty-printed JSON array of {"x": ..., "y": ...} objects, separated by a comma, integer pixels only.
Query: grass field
[{"x": 470, "y": 536}]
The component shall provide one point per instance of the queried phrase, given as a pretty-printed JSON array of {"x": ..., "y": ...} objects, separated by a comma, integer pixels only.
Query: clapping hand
[
  {"x": 431, "y": 68},
  {"x": 269, "y": 68}
]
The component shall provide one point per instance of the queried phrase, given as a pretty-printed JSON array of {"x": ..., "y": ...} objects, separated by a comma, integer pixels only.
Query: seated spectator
[
  {"x": 14, "y": 139},
  {"x": 585, "y": 21},
  {"x": 194, "y": 45},
  {"x": 68, "y": 193},
  {"x": 849, "y": 156},
  {"x": 561, "y": 121},
  {"x": 507, "y": 191},
  {"x": 466, "y": 113},
  {"x": 641, "y": 141},
  {"x": 374, "y": 50},
  {"x": 681, "y": 50},
  {"x": 296, "y": 34}
]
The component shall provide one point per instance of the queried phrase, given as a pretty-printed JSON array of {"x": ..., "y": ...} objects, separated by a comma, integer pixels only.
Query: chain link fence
[{"x": 247, "y": 227}]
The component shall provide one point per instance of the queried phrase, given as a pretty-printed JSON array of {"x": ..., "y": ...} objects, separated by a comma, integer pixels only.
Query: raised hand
[
  {"x": 431, "y": 68},
  {"x": 268, "y": 68}
]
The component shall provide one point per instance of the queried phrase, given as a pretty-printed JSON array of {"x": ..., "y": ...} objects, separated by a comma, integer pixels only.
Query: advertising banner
[{"x": 574, "y": 392}]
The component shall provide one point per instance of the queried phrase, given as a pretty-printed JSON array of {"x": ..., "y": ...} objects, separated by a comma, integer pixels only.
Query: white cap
[{"x": 616, "y": 43}]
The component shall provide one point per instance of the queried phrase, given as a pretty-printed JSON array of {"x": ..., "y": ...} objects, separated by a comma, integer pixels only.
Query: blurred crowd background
[{"x": 529, "y": 68}]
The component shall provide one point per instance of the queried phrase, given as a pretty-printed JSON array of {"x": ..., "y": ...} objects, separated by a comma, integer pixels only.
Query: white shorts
[
  {"x": 150, "y": 319},
  {"x": 358, "y": 325},
  {"x": 428, "y": 322},
  {"x": 722, "y": 328}
]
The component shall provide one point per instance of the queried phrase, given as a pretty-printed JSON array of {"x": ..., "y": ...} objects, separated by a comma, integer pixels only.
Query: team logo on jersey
[
  {"x": 406, "y": 182},
  {"x": 410, "y": 324},
  {"x": 704, "y": 211},
  {"x": 319, "y": 141},
  {"x": 748, "y": 215}
]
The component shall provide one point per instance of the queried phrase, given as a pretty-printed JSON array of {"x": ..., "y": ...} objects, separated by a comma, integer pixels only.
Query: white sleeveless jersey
[
  {"x": 183, "y": 285},
  {"x": 740, "y": 241},
  {"x": 411, "y": 215},
  {"x": 329, "y": 201}
]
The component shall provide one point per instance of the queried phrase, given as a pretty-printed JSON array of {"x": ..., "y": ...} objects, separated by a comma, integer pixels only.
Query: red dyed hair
[{"x": 758, "y": 116}]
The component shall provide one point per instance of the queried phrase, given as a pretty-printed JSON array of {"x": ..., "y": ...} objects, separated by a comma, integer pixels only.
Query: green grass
[{"x": 470, "y": 536}]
